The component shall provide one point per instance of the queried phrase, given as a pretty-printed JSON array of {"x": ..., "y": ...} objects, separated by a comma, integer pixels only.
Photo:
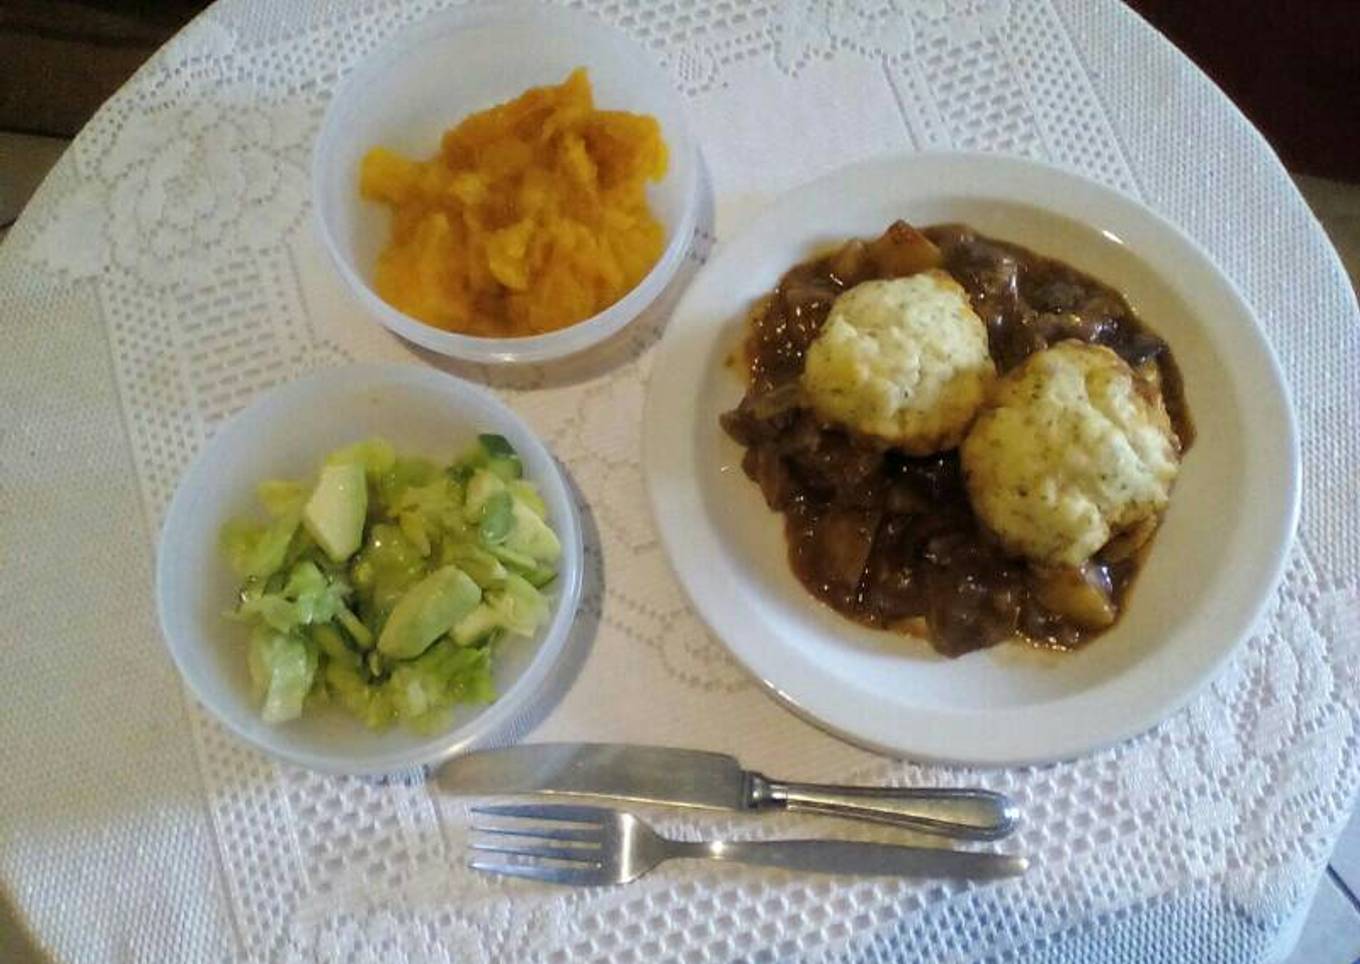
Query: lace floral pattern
[{"x": 180, "y": 189}]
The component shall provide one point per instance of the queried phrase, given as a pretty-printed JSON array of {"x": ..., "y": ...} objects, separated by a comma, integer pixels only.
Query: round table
[{"x": 168, "y": 270}]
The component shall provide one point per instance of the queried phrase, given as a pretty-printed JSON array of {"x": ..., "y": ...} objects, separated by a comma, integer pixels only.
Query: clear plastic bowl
[
  {"x": 286, "y": 433},
  {"x": 432, "y": 75}
]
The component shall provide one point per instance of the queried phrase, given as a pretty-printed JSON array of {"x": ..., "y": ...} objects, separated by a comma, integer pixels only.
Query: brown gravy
[{"x": 891, "y": 540}]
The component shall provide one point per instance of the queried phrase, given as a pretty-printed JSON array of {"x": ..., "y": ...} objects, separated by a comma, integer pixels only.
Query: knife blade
[{"x": 698, "y": 778}]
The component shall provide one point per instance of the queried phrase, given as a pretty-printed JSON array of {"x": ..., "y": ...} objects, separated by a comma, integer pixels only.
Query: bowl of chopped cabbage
[{"x": 369, "y": 569}]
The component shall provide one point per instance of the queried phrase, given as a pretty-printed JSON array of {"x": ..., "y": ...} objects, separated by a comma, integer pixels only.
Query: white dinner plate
[{"x": 1213, "y": 567}]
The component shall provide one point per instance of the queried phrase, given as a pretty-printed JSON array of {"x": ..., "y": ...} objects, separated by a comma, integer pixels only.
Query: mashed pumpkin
[{"x": 532, "y": 217}]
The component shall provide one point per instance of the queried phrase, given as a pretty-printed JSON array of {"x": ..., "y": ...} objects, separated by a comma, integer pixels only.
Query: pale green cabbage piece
[{"x": 281, "y": 667}]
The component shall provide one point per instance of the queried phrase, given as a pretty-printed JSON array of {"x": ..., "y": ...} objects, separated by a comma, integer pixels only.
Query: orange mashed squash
[{"x": 533, "y": 215}]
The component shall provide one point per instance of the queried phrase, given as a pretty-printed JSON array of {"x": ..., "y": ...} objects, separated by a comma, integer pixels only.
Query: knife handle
[{"x": 951, "y": 812}]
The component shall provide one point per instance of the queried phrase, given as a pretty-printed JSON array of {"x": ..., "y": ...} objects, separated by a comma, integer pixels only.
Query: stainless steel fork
[{"x": 593, "y": 846}]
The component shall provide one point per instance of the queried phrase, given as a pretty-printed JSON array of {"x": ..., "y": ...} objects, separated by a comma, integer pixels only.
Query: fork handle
[
  {"x": 960, "y": 813},
  {"x": 861, "y": 859}
]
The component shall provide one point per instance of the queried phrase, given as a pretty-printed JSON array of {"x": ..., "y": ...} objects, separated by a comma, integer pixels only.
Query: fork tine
[
  {"x": 552, "y": 873},
  {"x": 552, "y": 811},
  {"x": 586, "y": 834},
  {"x": 580, "y": 855}
]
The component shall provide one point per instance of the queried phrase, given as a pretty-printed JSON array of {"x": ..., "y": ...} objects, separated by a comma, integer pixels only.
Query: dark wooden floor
[
  {"x": 61, "y": 59},
  {"x": 1293, "y": 65}
]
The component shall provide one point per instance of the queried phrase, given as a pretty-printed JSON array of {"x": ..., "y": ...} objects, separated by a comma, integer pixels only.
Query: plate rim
[{"x": 1007, "y": 751}]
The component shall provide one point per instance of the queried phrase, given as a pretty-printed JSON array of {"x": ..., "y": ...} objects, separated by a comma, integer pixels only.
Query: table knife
[{"x": 696, "y": 778}]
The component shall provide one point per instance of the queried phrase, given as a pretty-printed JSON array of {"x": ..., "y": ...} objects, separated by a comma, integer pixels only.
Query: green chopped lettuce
[
  {"x": 281, "y": 670},
  {"x": 482, "y": 623},
  {"x": 387, "y": 566},
  {"x": 315, "y": 597},
  {"x": 445, "y": 675},
  {"x": 281, "y": 496},
  {"x": 403, "y": 474},
  {"x": 501, "y": 458},
  {"x": 257, "y": 551},
  {"x": 332, "y": 645},
  {"x": 515, "y": 560},
  {"x": 428, "y": 511},
  {"x": 376, "y": 455},
  {"x": 484, "y": 568},
  {"x": 525, "y": 494},
  {"x": 452, "y": 559},
  {"x": 521, "y": 607},
  {"x": 355, "y": 691},
  {"x": 481, "y": 488},
  {"x": 357, "y": 629},
  {"x": 532, "y": 536},
  {"x": 495, "y": 454},
  {"x": 497, "y": 518},
  {"x": 307, "y": 597}
]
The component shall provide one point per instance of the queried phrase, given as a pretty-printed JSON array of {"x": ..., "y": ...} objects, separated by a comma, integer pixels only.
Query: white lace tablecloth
[{"x": 168, "y": 270}]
